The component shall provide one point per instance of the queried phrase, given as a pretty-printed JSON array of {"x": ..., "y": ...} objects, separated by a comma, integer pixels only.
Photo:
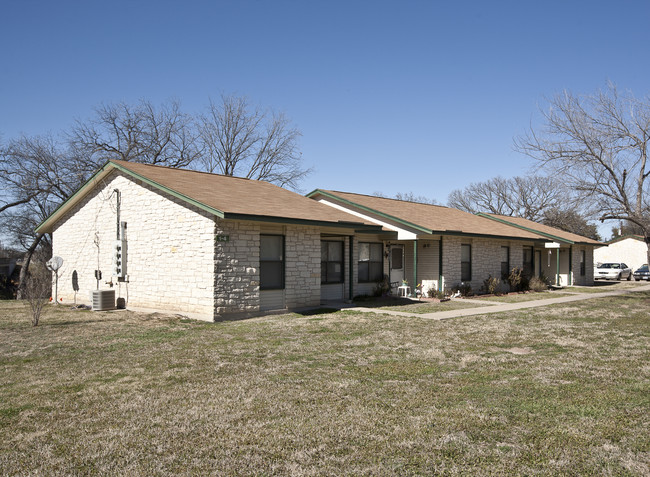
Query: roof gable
[
  {"x": 626, "y": 237},
  {"x": 432, "y": 219},
  {"x": 546, "y": 230},
  {"x": 224, "y": 196}
]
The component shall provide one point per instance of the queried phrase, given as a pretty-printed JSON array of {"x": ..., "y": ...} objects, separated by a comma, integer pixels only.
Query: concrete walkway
[{"x": 495, "y": 307}]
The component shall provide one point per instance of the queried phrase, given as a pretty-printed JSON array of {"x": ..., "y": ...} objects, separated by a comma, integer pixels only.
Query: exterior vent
[{"x": 103, "y": 300}]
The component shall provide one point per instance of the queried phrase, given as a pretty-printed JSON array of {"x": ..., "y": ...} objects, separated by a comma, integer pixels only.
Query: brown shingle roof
[
  {"x": 230, "y": 197},
  {"x": 546, "y": 229},
  {"x": 236, "y": 195},
  {"x": 435, "y": 218}
]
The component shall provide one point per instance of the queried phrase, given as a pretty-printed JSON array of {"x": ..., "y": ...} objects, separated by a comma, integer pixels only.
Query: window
[
  {"x": 331, "y": 262},
  {"x": 271, "y": 262},
  {"x": 528, "y": 262},
  {"x": 371, "y": 265},
  {"x": 397, "y": 258},
  {"x": 505, "y": 262},
  {"x": 583, "y": 255},
  {"x": 465, "y": 262}
]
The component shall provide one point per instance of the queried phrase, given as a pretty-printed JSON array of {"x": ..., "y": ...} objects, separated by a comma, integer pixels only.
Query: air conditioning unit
[{"x": 103, "y": 300}]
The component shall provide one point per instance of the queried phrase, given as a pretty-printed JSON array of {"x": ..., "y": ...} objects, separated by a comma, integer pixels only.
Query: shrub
[
  {"x": 382, "y": 288},
  {"x": 38, "y": 288},
  {"x": 490, "y": 285},
  {"x": 465, "y": 289},
  {"x": 517, "y": 280},
  {"x": 433, "y": 293},
  {"x": 540, "y": 284},
  {"x": 537, "y": 284}
]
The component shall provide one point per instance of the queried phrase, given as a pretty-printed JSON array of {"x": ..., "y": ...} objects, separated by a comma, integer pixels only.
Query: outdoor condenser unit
[{"x": 103, "y": 300}]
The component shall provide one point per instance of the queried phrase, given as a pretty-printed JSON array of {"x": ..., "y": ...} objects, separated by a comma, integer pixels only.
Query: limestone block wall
[
  {"x": 302, "y": 266},
  {"x": 486, "y": 259},
  {"x": 588, "y": 278},
  {"x": 236, "y": 258},
  {"x": 450, "y": 261},
  {"x": 170, "y": 248}
]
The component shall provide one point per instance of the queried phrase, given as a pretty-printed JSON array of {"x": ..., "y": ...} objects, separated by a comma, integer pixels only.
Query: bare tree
[
  {"x": 37, "y": 176},
  {"x": 238, "y": 140},
  {"x": 528, "y": 197},
  {"x": 141, "y": 133},
  {"x": 570, "y": 221},
  {"x": 38, "y": 288},
  {"x": 408, "y": 197},
  {"x": 598, "y": 144}
]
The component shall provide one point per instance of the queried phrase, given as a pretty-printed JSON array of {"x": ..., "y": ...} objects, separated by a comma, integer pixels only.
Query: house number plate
[{"x": 223, "y": 238}]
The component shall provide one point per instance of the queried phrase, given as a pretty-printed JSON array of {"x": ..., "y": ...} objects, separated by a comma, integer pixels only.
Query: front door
[
  {"x": 538, "y": 262},
  {"x": 397, "y": 264}
]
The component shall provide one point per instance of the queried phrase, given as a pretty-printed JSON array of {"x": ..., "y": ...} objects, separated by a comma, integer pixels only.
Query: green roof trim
[
  {"x": 368, "y": 209},
  {"x": 79, "y": 192},
  {"x": 451, "y": 233},
  {"x": 528, "y": 229},
  {"x": 283, "y": 220},
  {"x": 627, "y": 236}
]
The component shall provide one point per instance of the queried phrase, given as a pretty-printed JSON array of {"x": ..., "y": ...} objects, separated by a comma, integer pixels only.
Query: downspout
[
  {"x": 415, "y": 267},
  {"x": 557, "y": 269},
  {"x": 569, "y": 280},
  {"x": 117, "y": 193},
  {"x": 440, "y": 265},
  {"x": 350, "y": 271}
]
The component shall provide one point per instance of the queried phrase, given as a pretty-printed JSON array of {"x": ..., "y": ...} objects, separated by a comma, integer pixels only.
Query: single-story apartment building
[
  {"x": 440, "y": 247},
  {"x": 204, "y": 245},
  {"x": 630, "y": 249},
  {"x": 215, "y": 247}
]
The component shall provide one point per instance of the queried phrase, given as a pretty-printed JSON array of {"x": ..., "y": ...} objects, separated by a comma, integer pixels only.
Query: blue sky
[{"x": 390, "y": 96}]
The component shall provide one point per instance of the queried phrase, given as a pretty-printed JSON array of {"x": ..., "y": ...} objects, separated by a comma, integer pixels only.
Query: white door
[{"x": 397, "y": 264}]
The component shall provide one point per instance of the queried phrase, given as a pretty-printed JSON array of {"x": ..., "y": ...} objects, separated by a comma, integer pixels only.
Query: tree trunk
[{"x": 20, "y": 294}]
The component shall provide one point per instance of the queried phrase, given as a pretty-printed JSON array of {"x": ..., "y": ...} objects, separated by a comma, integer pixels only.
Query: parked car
[
  {"x": 612, "y": 271},
  {"x": 642, "y": 273}
]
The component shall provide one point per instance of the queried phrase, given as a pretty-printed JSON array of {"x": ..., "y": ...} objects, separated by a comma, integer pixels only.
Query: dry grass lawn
[{"x": 549, "y": 391}]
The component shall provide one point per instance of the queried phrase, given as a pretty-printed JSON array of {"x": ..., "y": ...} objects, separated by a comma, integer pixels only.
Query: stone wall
[
  {"x": 237, "y": 277},
  {"x": 486, "y": 259},
  {"x": 302, "y": 272},
  {"x": 588, "y": 278},
  {"x": 170, "y": 248},
  {"x": 450, "y": 261}
]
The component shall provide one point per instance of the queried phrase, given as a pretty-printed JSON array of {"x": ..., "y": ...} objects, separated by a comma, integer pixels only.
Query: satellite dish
[{"x": 54, "y": 263}]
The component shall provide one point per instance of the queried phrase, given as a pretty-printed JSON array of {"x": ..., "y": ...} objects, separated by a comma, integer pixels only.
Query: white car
[{"x": 612, "y": 271}]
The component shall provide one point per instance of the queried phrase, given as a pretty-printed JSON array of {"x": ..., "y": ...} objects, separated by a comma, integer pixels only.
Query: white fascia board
[
  {"x": 552, "y": 245},
  {"x": 402, "y": 234}
]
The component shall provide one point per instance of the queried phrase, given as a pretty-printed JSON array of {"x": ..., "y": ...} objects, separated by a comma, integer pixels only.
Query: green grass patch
[
  {"x": 558, "y": 390},
  {"x": 523, "y": 297}
]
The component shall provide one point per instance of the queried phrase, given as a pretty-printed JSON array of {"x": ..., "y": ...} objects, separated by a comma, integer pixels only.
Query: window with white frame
[
  {"x": 371, "y": 262},
  {"x": 331, "y": 262}
]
